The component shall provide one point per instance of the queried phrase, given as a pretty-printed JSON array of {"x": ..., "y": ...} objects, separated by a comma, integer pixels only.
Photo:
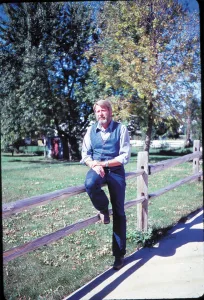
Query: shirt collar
[{"x": 109, "y": 128}]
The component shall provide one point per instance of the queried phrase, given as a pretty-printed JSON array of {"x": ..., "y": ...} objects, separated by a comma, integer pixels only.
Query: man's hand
[
  {"x": 91, "y": 163},
  {"x": 99, "y": 170},
  {"x": 96, "y": 166}
]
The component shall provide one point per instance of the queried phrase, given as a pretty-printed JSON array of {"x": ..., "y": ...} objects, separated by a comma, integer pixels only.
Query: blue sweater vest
[{"x": 105, "y": 150}]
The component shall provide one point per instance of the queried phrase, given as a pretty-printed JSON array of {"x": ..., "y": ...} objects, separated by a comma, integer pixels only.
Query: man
[{"x": 105, "y": 150}]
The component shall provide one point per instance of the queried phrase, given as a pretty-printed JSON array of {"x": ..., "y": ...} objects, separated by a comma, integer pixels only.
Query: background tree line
[{"x": 58, "y": 58}]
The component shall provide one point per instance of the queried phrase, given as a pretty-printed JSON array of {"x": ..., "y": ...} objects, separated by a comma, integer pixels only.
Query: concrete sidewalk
[{"x": 173, "y": 268}]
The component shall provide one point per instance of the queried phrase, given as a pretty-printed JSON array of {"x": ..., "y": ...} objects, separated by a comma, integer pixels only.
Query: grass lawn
[{"x": 58, "y": 269}]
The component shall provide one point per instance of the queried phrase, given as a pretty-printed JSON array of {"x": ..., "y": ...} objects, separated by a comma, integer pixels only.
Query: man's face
[{"x": 103, "y": 115}]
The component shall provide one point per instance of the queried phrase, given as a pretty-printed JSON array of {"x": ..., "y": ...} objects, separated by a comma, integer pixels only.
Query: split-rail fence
[{"x": 144, "y": 169}]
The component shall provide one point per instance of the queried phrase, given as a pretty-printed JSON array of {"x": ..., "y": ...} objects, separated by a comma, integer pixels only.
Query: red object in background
[{"x": 55, "y": 148}]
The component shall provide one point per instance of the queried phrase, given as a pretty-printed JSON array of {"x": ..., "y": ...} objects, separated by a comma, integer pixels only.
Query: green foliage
[
  {"x": 168, "y": 127},
  {"x": 141, "y": 56},
  {"x": 26, "y": 28},
  {"x": 44, "y": 71},
  {"x": 139, "y": 237}
]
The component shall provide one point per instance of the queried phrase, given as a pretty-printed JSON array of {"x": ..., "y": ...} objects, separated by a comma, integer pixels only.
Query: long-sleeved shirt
[{"x": 124, "y": 152}]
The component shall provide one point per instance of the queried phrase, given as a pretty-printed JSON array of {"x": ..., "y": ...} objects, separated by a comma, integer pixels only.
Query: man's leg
[
  {"x": 116, "y": 185},
  {"x": 98, "y": 197}
]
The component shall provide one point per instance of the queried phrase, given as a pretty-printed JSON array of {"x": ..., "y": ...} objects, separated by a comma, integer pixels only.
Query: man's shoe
[
  {"x": 104, "y": 216},
  {"x": 118, "y": 263}
]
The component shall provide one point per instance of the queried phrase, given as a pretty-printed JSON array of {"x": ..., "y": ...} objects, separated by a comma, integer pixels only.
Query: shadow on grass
[
  {"x": 172, "y": 152},
  {"x": 50, "y": 162},
  {"x": 18, "y": 155},
  {"x": 167, "y": 247},
  {"x": 43, "y": 161}
]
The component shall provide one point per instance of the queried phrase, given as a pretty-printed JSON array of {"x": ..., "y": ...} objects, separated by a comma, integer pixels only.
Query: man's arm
[
  {"x": 86, "y": 148},
  {"x": 125, "y": 151},
  {"x": 87, "y": 151}
]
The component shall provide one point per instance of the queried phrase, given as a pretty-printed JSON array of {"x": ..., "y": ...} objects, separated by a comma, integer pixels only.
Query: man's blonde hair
[{"x": 105, "y": 103}]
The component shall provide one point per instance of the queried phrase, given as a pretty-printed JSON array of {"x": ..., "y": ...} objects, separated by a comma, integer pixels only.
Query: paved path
[{"x": 173, "y": 268}]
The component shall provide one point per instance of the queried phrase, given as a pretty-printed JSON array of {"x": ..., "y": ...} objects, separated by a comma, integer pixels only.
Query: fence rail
[
  {"x": 165, "y": 164},
  {"x": 143, "y": 171},
  {"x": 24, "y": 204}
]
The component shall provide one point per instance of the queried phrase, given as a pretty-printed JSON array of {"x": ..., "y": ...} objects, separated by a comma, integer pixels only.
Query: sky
[{"x": 193, "y": 4}]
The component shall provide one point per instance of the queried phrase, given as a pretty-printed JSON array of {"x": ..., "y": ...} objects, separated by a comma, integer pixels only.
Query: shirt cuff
[{"x": 84, "y": 160}]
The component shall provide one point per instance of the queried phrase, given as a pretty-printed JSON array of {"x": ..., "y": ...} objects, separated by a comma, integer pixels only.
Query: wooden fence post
[
  {"x": 142, "y": 190},
  {"x": 196, "y": 147}
]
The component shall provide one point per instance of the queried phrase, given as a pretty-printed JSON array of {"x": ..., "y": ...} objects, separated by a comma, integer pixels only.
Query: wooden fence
[{"x": 144, "y": 169}]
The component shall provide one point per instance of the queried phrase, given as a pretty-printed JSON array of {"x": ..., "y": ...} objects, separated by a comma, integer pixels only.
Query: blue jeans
[{"x": 115, "y": 179}]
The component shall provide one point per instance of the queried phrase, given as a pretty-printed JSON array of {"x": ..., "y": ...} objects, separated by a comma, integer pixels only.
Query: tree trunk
[
  {"x": 74, "y": 146},
  {"x": 188, "y": 129},
  {"x": 70, "y": 148},
  {"x": 149, "y": 127}
]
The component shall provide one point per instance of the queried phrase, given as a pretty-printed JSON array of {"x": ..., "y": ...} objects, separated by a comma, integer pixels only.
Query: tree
[
  {"x": 23, "y": 77},
  {"x": 45, "y": 71},
  {"x": 140, "y": 57}
]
